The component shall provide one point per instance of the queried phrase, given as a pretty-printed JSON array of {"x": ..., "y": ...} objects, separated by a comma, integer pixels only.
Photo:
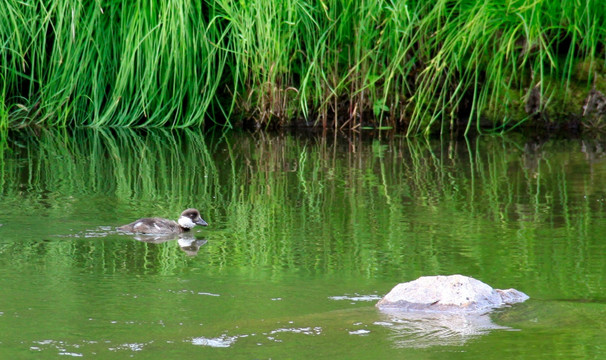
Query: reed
[
  {"x": 416, "y": 65},
  {"x": 104, "y": 64}
]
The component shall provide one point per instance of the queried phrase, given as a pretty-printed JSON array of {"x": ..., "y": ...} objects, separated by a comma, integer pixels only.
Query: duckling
[{"x": 188, "y": 219}]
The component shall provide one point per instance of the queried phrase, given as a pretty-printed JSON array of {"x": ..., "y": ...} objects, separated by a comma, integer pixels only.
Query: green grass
[{"x": 415, "y": 65}]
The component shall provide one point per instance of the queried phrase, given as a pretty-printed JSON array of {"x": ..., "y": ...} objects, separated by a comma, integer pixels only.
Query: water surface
[{"x": 305, "y": 235}]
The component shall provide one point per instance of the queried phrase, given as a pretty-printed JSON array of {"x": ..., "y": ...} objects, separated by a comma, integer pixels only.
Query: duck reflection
[
  {"x": 187, "y": 241},
  {"x": 191, "y": 246}
]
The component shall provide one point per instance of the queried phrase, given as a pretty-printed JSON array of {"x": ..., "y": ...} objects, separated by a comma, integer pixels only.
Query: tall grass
[
  {"x": 101, "y": 63},
  {"x": 417, "y": 65}
]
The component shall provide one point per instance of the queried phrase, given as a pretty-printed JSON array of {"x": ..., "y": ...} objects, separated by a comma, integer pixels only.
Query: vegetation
[{"x": 416, "y": 65}]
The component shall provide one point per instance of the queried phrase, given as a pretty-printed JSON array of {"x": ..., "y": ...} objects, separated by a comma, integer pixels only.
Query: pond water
[{"x": 306, "y": 234}]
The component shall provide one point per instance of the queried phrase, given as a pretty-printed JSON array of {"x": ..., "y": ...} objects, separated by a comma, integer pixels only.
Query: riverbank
[{"x": 413, "y": 66}]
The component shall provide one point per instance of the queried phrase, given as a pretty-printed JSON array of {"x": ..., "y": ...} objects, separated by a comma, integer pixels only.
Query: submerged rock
[{"x": 448, "y": 294}]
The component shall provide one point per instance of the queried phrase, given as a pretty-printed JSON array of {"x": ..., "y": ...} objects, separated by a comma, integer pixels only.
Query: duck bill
[{"x": 201, "y": 222}]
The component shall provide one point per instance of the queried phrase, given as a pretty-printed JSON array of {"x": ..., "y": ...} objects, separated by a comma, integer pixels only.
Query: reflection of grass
[
  {"x": 284, "y": 203},
  {"x": 74, "y": 175}
]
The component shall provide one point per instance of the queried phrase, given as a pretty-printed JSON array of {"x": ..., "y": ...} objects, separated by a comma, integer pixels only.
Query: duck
[{"x": 188, "y": 219}]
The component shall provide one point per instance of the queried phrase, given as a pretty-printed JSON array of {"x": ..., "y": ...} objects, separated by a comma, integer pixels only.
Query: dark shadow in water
[{"x": 187, "y": 242}]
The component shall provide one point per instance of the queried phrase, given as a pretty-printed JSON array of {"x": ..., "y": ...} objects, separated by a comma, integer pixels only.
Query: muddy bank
[{"x": 536, "y": 113}]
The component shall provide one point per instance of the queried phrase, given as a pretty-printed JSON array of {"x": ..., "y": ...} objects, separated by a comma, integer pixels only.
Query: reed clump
[{"x": 415, "y": 65}]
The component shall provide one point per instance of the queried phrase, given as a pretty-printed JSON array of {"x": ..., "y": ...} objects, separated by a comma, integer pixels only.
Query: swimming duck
[{"x": 188, "y": 219}]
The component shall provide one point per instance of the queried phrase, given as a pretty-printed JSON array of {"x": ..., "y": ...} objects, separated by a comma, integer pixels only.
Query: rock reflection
[
  {"x": 422, "y": 329},
  {"x": 593, "y": 150},
  {"x": 187, "y": 242}
]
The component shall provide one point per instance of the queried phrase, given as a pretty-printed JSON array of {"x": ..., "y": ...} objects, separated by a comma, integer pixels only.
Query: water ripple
[{"x": 356, "y": 297}]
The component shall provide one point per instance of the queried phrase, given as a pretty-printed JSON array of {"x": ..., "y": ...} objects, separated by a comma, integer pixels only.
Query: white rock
[{"x": 448, "y": 293}]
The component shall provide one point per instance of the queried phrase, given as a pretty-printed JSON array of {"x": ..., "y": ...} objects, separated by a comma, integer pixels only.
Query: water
[{"x": 305, "y": 235}]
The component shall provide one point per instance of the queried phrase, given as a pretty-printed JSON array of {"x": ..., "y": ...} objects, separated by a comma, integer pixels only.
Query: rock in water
[
  {"x": 533, "y": 101},
  {"x": 595, "y": 104},
  {"x": 448, "y": 293}
]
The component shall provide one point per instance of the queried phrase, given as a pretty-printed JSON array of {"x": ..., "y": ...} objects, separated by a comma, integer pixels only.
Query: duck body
[{"x": 188, "y": 219}]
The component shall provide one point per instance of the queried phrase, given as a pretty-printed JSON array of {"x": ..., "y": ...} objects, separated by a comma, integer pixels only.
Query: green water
[{"x": 305, "y": 235}]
